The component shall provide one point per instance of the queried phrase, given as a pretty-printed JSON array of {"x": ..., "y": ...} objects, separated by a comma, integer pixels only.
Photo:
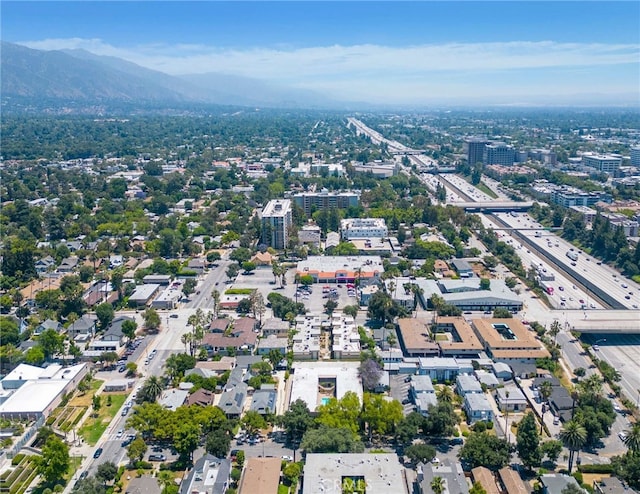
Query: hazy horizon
[{"x": 484, "y": 53}]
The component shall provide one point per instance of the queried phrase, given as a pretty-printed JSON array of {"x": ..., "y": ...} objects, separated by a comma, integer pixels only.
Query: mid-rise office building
[
  {"x": 498, "y": 153},
  {"x": 352, "y": 228},
  {"x": 635, "y": 156},
  {"x": 276, "y": 223},
  {"x": 474, "y": 149},
  {"x": 311, "y": 201},
  {"x": 603, "y": 163}
]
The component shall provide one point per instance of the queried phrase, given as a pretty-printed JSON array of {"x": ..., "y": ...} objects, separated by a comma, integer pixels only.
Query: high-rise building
[
  {"x": 276, "y": 222},
  {"x": 635, "y": 156},
  {"x": 310, "y": 201},
  {"x": 498, "y": 153},
  {"x": 603, "y": 163},
  {"x": 474, "y": 148}
]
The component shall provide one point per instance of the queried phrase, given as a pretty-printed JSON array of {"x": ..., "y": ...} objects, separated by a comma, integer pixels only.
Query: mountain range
[{"x": 40, "y": 78}]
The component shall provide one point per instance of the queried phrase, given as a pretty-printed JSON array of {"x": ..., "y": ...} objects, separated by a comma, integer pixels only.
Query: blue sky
[{"x": 383, "y": 52}]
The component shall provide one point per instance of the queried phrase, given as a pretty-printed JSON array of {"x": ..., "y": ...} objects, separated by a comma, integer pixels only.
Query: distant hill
[{"x": 78, "y": 76}]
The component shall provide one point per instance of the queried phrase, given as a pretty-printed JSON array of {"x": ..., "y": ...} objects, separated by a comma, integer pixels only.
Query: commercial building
[
  {"x": 474, "y": 149},
  {"x": 381, "y": 473},
  {"x": 29, "y": 392},
  {"x": 460, "y": 340},
  {"x": 143, "y": 294},
  {"x": 467, "y": 295},
  {"x": 317, "y": 382},
  {"x": 342, "y": 269},
  {"x": 498, "y": 153},
  {"x": 635, "y": 156},
  {"x": 310, "y": 235},
  {"x": 276, "y": 223},
  {"x": 325, "y": 200},
  {"x": 353, "y": 228},
  {"x": 377, "y": 169},
  {"x": 605, "y": 163},
  {"x": 588, "y": 214}
]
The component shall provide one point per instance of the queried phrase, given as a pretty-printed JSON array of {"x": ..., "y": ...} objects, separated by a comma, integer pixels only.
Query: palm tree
[
  {"x": 591, "y": 385},
  {"x": 554, "y": 330},
  {"x": 153, "y": 388},
  {"x": 215, "y": 295},
  {"x": 445, "y": 394},
  {"x": 437, "y": 485},
  {"x": 632, "y": 441},
  {"x": 186, "y": 341},
  {"x": 573, "y": 435}
]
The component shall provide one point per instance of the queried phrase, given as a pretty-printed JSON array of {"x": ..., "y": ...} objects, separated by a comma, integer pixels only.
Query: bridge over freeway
[
  {"x": 492, "y": 206},
  {"x": 608, "y": 321}
]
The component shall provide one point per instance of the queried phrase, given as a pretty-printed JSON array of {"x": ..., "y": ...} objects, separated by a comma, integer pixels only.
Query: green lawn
[
  {"x": 483, "y": 187},
  {"x": 95, "y": 426}
]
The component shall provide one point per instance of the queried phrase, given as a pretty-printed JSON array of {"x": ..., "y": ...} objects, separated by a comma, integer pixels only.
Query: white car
[
  {"x": 119, "y": 434},
  {"x": 287, "y": 458}
]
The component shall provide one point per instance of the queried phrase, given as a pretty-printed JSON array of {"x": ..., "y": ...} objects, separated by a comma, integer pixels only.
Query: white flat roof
[
  {"x": 306, "y": 376},
  {"x": 33, "y": 396},
  {"x": 24, "y": 372}
]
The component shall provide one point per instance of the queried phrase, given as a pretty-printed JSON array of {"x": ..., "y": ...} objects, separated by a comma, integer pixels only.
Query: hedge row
[{"x": 604, "y": 468}]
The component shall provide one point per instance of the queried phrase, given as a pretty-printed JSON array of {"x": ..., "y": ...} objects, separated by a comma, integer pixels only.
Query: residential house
[
  {"x": 450, "y": 472},
  {"x": 262, "y": 259},
  {"x": 143, "y": 485},
  {"x": 511, "y": 481},
  {"x": 197, "y": 265},
  {"x": 467, "y": 383},
  {"x": 554, "y": 483},
  {"x": 68, "y": 265},
  {"x": 234, "y": 394},
  {"x": 276, "y": 327},
  {"x": 113, "y": 339},
  {"x": 511, "y": 399},
  {"x": 219, "y": 325},
  {"x": 261, "y": 475},
  {"x": 423, "y": 393},
  {"x": 477, "y": 407},
  {"x": 48, "y": 324},
  {"x": 45, "y": 265},
  {"x": 266, "y": 345},
  {"x": 265, "y": 399},
  {"x": 173, "y": 398},
  {"x": 86, "y": 325},
  {"x": 210, "y": 475},
  {"x": 202, "y": 397},
  {"x": 486, "y": 479},
  {"x": 612, "y": 485}
]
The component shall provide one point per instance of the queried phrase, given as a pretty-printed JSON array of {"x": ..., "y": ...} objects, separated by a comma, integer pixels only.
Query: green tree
[
  {"x": 291, "y": 473},
  {"x": 253, "y": 422},
  {"x": 186, "y": 438},
  {"x": 106, "y": 472},
  {"x": 329, "y": 306},
  {"x": 137, "y": 449},
  {"x": 248, "y": 266},
  {"x": 53, "y": 464},
  {"x": 420, "y": 452},
  {"x": 380, "y": 415},
  {"x": 96, "y": 403},
  {"x": 151, "y": 319},
  {"x": 477, "y": 488},
  {"x": 105, "y": 314},
  {"x": 528, "y": 442},
  {"x": 502, "y": 313},
  {"x": 632, "y": 439},
  {"x": 351, "y": 310},
  {"x": 129, "y": 328},
  {"x": 51, "y": 342},
  {"x": 574, "y": 436},
  {"x": 34, "y": 355},
  {"x": 552, "y": 449},
  {"x": 572, "y": 489},
  {"x": 437, "y": 485},
  {"x": 151, "y": 389},
  {"x": 218, "y": 444},
  {"x": 483, "y": 449},
  {"x": 341, "y": 414},
  {"x": 327, "y": 439},
  {"x": 295, "y": 421},
  {"x": 485, "y": 284}
]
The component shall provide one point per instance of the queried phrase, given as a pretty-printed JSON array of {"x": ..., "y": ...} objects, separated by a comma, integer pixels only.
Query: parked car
[{"x": 157, "y": 457}]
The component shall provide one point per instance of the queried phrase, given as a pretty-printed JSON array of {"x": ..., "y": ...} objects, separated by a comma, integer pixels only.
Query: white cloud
[{"x": 373, "y": 69}]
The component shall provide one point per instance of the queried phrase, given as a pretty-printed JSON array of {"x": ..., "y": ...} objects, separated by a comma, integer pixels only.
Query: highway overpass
[
  {"x": 600, "y": 321},
  {"x": 492, "y": 206}
]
